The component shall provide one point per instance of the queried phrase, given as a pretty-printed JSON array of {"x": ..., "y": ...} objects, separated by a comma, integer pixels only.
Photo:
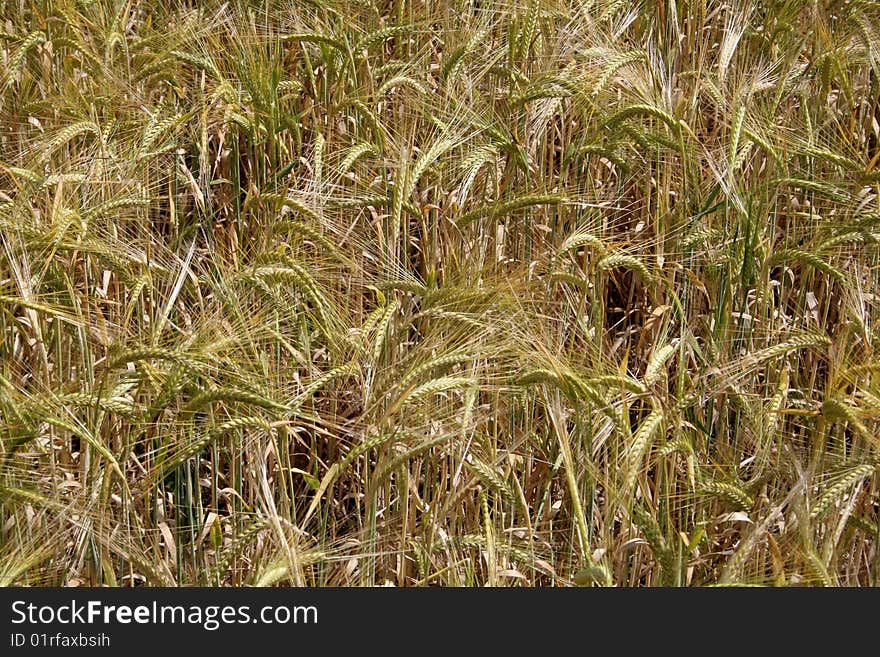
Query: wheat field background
[{"x": 461, "y": 293}]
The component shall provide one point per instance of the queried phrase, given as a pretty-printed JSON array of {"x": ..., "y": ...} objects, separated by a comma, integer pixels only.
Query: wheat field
[{"x": 452, "y": 293}]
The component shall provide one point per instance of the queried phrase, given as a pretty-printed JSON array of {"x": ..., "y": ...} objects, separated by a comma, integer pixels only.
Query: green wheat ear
[
  {"x": 593, "y": 574},
  {"x": 19, "y": 56}
]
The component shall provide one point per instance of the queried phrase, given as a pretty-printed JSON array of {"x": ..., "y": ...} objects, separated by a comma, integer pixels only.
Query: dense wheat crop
[{"x": 460, "y": 292}]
